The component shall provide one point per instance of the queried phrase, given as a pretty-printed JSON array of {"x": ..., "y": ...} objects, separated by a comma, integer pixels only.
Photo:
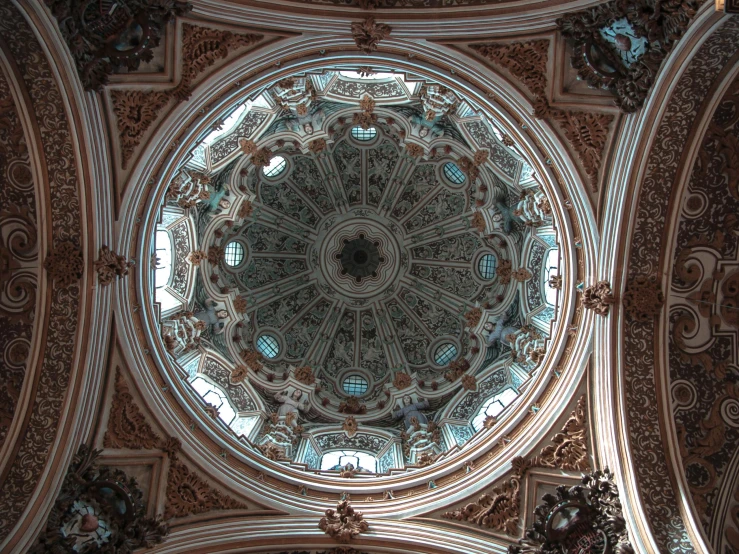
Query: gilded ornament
[
  {"x": 350, "y": 426},
  {"x": 304, "y": 374},
  {"x": 127, "y": 426},
  {"x": 197, "y": 256}
]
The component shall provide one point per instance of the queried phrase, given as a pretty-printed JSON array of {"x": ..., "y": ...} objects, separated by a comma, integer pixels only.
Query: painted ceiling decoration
[{"x": 368, "y": 277}]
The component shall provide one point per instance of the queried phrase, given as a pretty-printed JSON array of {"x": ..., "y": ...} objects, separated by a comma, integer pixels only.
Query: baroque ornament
[
  {"x": 65, "y": 264},
  {"x": 643, "y": 298},
  {"x": 103, "y": 42},
  {"x": 344, "y": 523},
  {"x": 598, "y": 297},
  {"x": 127, "y": 427},
  {"x": 368, "y": 34},
  {"x": 188, "y": 494},
  {"x": 586, "y": 518},
  {"x": 110, "y": 265},
  {"x": 620, "y": 46},
  {"x": 201, "y": 47},
  {"x": 99, "y": 509}
]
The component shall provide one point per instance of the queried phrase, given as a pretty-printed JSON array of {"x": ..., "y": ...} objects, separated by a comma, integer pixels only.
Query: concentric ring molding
[{"x": 174, "y": 407}]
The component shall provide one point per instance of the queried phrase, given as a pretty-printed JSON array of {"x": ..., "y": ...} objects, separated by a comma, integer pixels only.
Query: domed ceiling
[{"x": 357, "y": 272}]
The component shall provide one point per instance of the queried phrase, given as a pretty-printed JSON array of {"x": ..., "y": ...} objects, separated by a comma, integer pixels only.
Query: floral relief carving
[
  {"x": 110, "y": 265},
  {"x": 643, "y": 298},
  {"x": 136, "y": 110},
  {"x": 65, "y": 264},
  {"x": 350, "y": 426},
  {"x": 598, "y": 297},
  {"x": 570, "y": 449},
  {"x": 344, "y": 523},
  {"x": 368, "y": 34},
  {"x": 527, "y": 61},
  {"x": 304, "y": 374},
  {"x": 401, "y": 380},
  {"x": 189, "y": 494},
  {"x": 127, "y": 426},
  {"x": 586, "y": 131},
  {"x": 498, "y": 510}
]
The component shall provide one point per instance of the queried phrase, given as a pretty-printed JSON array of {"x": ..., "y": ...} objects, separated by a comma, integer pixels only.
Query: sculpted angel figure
[
  {"x": 411, "y": 410},
  {"x": 291, "y": 405}
]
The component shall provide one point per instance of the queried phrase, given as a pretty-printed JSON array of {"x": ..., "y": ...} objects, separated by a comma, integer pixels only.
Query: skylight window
[
  {"x": 215, "y": 397},
  {"x": 356, "y": 385},
  {"x": 339, "y": 458},
  {"x": 453, "y": 173},
  {"x": 494, "y": 406},
  {"x": 234, "y": 253},
  {"x": 268, "y": 346},
  {"x": 487, "y": 266}
]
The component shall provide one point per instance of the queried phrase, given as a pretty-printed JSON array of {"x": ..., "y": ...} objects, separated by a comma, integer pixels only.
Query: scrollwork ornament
[{"x": 368, "y": 34}]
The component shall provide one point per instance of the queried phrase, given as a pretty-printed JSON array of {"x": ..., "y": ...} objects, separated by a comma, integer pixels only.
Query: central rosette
[
  {"x": 359, "y": 254},
  {"x": 360, "y": 258}
]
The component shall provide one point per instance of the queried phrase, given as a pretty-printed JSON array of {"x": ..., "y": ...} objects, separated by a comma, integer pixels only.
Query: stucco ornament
[
  {"x": 368, "y": 34},
  {"x": 643, "y": 298},
  {"x": 344, "y": 523},
  {"x": 110, "y": 265},
  {"x": 99, "y": 509},
  {"x": 598, "y": 297},
  {"x": 586, "y": 518},
  {"x": 65, "y": 264}
]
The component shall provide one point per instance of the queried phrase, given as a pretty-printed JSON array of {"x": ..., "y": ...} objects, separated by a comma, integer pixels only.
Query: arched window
[
  {"x": 493, "y": 407},
  {"x": 163, "y": 272},
  {"x": 445, "y": 353},
  {"x": 453, "y": 173},
  {"x": 215, "y": 397},
  {"x": 551, "y": 268},
  {"x": 339, "y": 458},
  {"x": 276, "y": 166},
  {"x": 364, "y": 134}
]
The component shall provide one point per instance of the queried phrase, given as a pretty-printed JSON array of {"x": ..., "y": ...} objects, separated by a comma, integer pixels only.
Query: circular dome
[{"x": 389, "y": 277}]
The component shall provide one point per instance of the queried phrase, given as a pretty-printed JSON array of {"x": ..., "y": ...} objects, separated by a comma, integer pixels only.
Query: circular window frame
[
  {"x": 280, "y": 343},
  {"x": 436, "y": 344},
  {"x": 348, "y": 372},
  {"x": 443, "y": 178},
  {"x": 282, "y": 174},
  {"x": 359, "y": 376},
  {"x": 231, "y": 268},
  {"x": 475, "y": 265}
]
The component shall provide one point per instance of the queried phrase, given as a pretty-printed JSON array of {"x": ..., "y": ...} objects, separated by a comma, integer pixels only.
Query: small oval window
[
  {"x": 445, "y": 353},
  {"x": 268, "y": 346},
  {"x": 453, "y": 173},
  {"x": 364, "y": 134},
  {"x": 276, "y": 166}
]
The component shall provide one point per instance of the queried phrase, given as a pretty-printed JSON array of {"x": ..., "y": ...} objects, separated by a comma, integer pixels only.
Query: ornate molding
[
  {"x": 620, "y": 46},
  {"x": 127, "y": 426},
  {"x": 583, "y": 518},
  {"x": 499, "y": 510},
  {"x": 105, "y": 42},
  {"x": 368, "y": 34},
  {"x": 586, "y": 132},
  {"x": 99, "y": 509},
  {"x": 136, "y": 110},
  {"x": 110, "y": 265},
  {"x": 344, "y": 523}
]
